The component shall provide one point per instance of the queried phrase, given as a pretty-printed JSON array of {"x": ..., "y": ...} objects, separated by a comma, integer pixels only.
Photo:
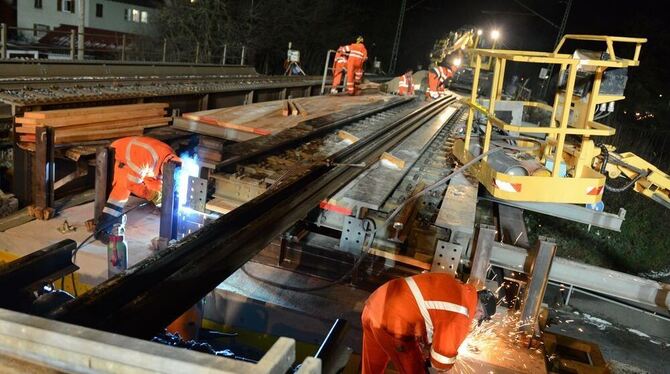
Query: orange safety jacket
[
  {"x": 405, "y": 85},
  {"x": 437, "y": 76},
  {"x": 432, "y": 309},
  {"x": 341, "y": 55},
  {"x": 339, "y": 65},
  {"x": 358, "y": 54},
  {"x": 138, "y": 170}
]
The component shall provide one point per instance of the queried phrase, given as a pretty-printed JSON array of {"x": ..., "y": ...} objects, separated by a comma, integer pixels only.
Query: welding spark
[{"x": 189, "y": 168}]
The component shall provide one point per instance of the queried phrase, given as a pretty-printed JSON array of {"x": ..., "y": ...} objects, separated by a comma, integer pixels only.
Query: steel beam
[
  {"x": 571, "y": 212},
  {"x": 154, "y": 292},
  {"x": 104, "y": 174},
  {"x": 31, "y": 271},
  {"x": 44, "y": 167},
  {"x": 648, "y": 293},
  {"x": 169, "y": 205},
  {"x": 75, "y": 349},
  {"x": 486, "y": 235},
  {"x": 541, "y": 257}
]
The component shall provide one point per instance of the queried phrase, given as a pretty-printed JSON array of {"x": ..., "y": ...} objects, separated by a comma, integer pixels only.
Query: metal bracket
[
  {"x": 196, "y": 195},
  {"x": 447, "y": 257},
  {"x": 353, "y": 235}
]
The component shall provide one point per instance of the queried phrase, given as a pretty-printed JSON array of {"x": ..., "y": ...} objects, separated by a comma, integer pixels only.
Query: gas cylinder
[{"x": 117, "y": 249}]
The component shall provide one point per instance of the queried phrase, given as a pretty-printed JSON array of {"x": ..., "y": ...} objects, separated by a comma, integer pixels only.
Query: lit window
[
  {"x": 136, "y": 15},
  {"x": 65, "y": 6},
  {"x": 145, "y": 16}
]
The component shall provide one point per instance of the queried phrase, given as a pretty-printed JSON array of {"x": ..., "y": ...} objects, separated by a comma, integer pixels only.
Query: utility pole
[
  {"x": 80, "y": 37},
  {"x": 396, "y": 42},
  {"x": 561, "y": 31}
]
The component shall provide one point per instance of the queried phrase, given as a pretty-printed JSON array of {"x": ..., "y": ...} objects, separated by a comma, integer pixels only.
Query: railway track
[{"x": 175, "y": 278}]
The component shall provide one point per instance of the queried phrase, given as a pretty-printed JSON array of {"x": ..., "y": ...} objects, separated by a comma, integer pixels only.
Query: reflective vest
[
  {"x": 341, "y": 55},
  {"x": 144, "y": 157},
  {"x": 442, "y": 73},
  {"x": 357, "y": 53},
  {"x": 434, "y": 308},
  {"x": 405, "y": 85}
]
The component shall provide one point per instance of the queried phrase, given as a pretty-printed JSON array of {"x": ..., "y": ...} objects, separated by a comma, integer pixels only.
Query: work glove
[{"x": 156, "y": 198}]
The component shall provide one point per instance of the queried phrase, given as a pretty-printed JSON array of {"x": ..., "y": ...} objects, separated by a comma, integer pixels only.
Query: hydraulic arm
[{"x": 644, "y": 177}]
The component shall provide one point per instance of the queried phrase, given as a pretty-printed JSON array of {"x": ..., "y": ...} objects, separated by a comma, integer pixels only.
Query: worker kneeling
[
  {"x": 405, "y": 316},
  {"x": 138, "y": 169}
]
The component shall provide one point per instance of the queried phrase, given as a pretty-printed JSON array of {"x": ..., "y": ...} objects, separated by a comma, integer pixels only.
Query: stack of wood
[
  {"x": 209, "y": 149},
  {"x": 292, "y": 108},
  {"x": 94, "y": 123},
  {"x": 8, "y": 204}
]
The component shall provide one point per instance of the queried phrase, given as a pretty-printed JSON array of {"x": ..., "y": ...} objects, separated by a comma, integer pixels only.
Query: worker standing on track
[
  {"x": 405, "y": 84},
  {"x": 339, "y": 67},
  {"x": 357, "y": 57},
  {"x": 405, "y": 316},
  {"x": 138, "y": 169},
  {"x": 437, "y": 77}
]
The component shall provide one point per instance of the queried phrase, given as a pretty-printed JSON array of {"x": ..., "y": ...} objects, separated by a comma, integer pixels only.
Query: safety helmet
[
  {"x": 489, "y": 303},
  {"x": 359, "y": 39}
]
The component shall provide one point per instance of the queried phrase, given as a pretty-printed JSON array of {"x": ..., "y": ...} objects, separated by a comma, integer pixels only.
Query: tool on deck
[{"x": 117, "y": 249}]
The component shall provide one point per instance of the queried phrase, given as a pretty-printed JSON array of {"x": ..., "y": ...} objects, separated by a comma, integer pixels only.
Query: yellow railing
[{"x": 558, "y": 128}]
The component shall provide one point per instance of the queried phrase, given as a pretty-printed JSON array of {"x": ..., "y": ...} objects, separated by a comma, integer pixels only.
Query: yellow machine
[{"x": 559, "y": 160}]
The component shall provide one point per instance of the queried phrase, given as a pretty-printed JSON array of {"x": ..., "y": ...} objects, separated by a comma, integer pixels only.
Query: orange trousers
[
  {"x": 338, "y": 72},
  {"x": 379, "y": 347},
  {"x": 354, "y": 75}
]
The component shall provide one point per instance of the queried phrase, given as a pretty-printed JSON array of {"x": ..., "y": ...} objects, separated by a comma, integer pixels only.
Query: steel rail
[
  {"x": 309, "y": 129},
  {"x": 148, "y": 296}
]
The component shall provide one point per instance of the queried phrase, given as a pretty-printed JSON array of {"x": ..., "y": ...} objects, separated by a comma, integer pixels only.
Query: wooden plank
[
  {"x": 400, "y": 258},
  {"x": 348, "y": 137},
  {"x": 92, "y": 110},
  {"x": 97, "y": 135},
  {"x": 91, "y": 118},
  {"x": 286, "y": 109},
  {"x": 111, "y": 126},
  {"x": 209, "y": 154},
  {"x": 214, "y": 131},
  {"x": 293, "y": 108},
  {"x": 102, "y": 125},
  {"x": 392, "y": 161},
  {"x": 301, "y": 109},
  {"x": 221, "y": 205}
]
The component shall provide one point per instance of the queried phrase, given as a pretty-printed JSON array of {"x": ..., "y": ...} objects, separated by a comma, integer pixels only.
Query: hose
[
  {"x": 76, "y": 250},
  {"x": 603, "y": 170}
]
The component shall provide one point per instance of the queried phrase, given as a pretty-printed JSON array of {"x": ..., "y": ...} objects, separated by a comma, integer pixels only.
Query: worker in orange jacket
[
  {"x": 437, "y": 77},
  {"x": 357, "y": 57},
  {"x": 138, "y": 169},
  {"x": 407, "y": 315},
  {"x": 339, "y": 67},
  {"x": 405, "y": 84}
]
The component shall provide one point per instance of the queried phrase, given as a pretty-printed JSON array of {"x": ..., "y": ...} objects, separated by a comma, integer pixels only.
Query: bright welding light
[
  {"x": 189, "y": 168},
  {"x": 495, "y": 34},
  {"x": 457, "y": 61},
  {"x": 480, "y": 32}
]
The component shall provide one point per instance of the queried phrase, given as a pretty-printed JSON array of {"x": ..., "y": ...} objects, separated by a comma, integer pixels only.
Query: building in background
[
  {"x": 108, "y": 24},
  {"x": 121, "y": 16}
]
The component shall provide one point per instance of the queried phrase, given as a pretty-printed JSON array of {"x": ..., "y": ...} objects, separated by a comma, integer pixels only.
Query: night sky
[{"x": 427, "y": 20}]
